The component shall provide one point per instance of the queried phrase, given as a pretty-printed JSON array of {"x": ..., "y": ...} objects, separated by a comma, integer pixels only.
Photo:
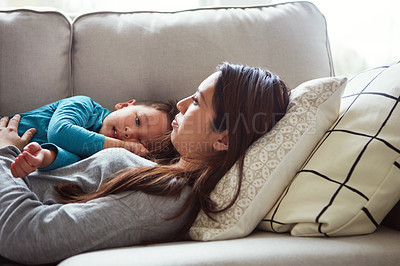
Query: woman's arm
[
  {"x": 34, "y": 228},
  {"x": 9, "y": 133}
]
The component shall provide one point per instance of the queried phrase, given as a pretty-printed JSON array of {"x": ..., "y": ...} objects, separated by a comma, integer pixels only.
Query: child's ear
[
  {"x": 124, "y": 104},
  {"x": 222, "y": 142}
]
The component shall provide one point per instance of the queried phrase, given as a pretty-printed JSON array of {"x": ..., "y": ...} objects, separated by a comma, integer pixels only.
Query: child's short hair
[
  {"x": 167, "y": 107},
  {"x": 162, "y": 151}
]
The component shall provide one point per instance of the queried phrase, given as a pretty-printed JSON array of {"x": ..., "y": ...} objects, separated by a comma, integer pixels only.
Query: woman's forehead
[
  {"x": 206, "y": 88},
  {"x": 210, "y": 81}
]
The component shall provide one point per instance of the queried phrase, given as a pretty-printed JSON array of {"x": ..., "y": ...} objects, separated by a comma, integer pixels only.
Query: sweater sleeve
[
  {"x": 63, "y": 157},
  {"x": 36, "y": 230},
  {"x": 69, "y": 127}
]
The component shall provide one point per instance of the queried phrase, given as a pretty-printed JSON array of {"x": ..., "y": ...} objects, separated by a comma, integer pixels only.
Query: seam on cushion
[
  {"x": 327, "y": 44},
  {"x": 195, "y": 9},
  {"x": 71, "y": 63}
]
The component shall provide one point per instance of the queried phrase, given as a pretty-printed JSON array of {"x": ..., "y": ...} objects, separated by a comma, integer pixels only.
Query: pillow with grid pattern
[
  {"x": 352, "y": 178},
  {"x": 272, "y": 161}
]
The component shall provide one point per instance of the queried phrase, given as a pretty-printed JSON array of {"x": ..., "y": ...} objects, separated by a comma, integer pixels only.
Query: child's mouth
[{"x": 114, "y": 132}]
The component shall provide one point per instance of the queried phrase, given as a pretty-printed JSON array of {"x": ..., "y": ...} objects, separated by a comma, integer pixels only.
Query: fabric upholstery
[
  {"x": 352, "y": 178},
  {"x": 155, "y": 61},
  {"x": 260, "y": 248},
  {"x": 272, "y": 161},
  {"x": 155, "y": 55},
  {"x": 35, "y": 59}
]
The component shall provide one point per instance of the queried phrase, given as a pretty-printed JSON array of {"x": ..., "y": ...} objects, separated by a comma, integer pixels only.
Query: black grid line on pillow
[
  {"x": 343, "y": 185},
  {"x": 358, "y": 158},
  {"x": 383, "y": 68}
]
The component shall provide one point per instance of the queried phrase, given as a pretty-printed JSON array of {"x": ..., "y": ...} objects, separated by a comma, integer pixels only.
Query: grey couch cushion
[
  {"x": 152, "y": 55},
  {"x": 35, "y": 59},
  {"x": 260, "y": 248}
]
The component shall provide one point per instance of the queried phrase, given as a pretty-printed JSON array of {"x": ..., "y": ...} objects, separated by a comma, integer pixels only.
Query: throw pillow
[
  {"x": 352, "y": 179},
  {"x": 392, "y": 219},
  {"x": 272, "y": 161}
]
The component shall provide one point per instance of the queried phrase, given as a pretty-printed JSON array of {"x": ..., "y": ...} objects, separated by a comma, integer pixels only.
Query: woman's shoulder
[{"x": 119, "y": 157}]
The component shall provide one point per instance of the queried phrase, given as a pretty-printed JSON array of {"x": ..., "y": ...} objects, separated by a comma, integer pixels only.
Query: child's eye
[
  {"x": 195, "y": 101},
  {"x": 137, "y": 121}
]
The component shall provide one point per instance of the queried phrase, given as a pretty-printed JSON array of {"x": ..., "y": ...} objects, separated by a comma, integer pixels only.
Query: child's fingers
[
  {"x": 136, "y": 148},
  {"x": 22, "y": 167},
  {"x": 23, "y": 164},
  {"x": 142, "y": 150},
  {"x": 33, "y": 147},
  {"x": 33, "y": 161},
  {"x": 17, "y": 170}
]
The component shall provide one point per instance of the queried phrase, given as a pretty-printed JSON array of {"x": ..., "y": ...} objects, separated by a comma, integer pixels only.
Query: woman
[{"x": 230, "y": 110}]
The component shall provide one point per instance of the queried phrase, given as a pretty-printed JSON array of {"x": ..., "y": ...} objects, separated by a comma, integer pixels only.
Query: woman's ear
[
  {"x": 124, "y": 104},
  {"x": 222, "y": 142}
]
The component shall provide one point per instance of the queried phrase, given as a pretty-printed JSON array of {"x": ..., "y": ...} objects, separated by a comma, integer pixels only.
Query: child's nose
[{"x": 128, "y": 133}]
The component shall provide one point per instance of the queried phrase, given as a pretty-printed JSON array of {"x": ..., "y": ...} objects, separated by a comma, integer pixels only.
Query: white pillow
[
  {"x": 272, "y": 161},
  {"x": 352, "y": 179}
]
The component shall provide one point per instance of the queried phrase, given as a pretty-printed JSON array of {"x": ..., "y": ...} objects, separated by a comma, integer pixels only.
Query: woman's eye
[
  {"x": 195, "y": 101},
  {"x": 137, "y": 121}
]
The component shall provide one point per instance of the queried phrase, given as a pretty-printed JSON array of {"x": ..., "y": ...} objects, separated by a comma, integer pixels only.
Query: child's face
[{"x": 136, "y": 123}]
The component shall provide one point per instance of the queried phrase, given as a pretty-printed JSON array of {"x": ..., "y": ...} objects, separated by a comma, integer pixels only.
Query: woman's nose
[{"x": 183, "y": 104}]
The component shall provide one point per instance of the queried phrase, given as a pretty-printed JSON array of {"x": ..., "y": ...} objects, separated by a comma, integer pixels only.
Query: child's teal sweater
[{"x": 70, "y": 126}]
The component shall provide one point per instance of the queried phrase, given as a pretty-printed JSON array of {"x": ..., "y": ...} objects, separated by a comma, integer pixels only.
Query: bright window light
[{"x": 362, "y": 33}]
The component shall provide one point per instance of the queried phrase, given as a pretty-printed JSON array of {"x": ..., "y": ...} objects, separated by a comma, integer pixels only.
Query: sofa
[{"x": 113, "y": 56}]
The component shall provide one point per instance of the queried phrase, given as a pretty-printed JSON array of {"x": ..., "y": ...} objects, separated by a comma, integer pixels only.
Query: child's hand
[
  {"x": 131, "y": 146},
  {"x": 136, "y": 148},
  {"x": 28, "y": 161}
]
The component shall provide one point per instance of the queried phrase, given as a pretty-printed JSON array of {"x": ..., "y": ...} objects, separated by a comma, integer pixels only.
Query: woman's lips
[{"x": 174, "y": 123}]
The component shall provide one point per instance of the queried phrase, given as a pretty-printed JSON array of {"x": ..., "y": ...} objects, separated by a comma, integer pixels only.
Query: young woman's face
[
  {"x": 136, "y": 123},
  {"x": 192, "y": 132}
]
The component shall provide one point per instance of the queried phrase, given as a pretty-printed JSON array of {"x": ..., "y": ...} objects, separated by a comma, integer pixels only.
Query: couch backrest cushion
[
  {"x": 153, "y": 55},
  {"x": 35, "y": 59}
]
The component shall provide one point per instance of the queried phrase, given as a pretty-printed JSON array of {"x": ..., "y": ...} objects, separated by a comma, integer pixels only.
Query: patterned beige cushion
[
  {"x": 352, "y": 179},
  {"x": 272, "y": 161}
]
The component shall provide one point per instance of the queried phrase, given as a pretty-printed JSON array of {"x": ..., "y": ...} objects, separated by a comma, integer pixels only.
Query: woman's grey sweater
[{"x": 36, "y": 229}]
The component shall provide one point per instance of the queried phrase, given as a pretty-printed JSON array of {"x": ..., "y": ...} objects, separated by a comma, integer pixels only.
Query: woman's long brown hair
[{"x": 247, "y": 102}]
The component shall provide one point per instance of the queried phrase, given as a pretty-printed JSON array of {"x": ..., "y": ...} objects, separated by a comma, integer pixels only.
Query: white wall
[{"x": 363, "y": 33}]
